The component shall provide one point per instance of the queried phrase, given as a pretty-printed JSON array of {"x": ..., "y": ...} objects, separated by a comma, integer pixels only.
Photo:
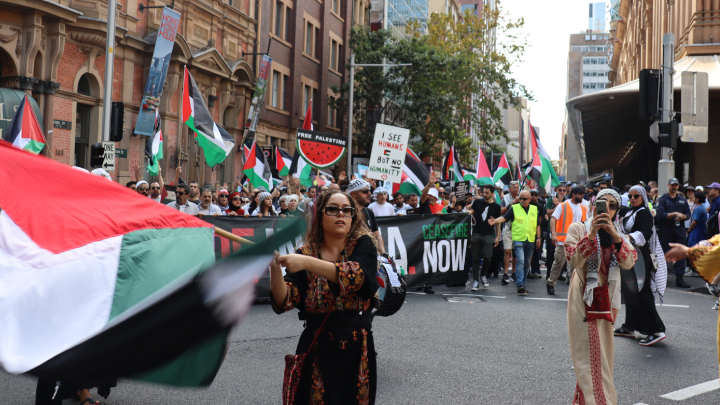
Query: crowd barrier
[{"x": 431, "y": 249}]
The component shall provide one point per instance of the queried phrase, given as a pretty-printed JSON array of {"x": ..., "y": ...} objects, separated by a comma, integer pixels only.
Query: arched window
[
  {"x": 84, "y": 86},
  {"x": 227, "y": 117}
]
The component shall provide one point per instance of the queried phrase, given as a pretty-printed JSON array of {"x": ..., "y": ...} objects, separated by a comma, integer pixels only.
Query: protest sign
[
  {"x": 462, "y": 189},
  {"x": 388, "y": 153},
  {"x": 158, "y": 70},
  {"x": 432, "y": 249}
]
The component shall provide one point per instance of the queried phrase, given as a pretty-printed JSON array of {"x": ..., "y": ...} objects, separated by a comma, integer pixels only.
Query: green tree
[{"x": 459, "y": 80}]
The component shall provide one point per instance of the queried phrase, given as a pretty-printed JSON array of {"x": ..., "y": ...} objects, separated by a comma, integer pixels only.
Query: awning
[{"x": 607, "y": 123}]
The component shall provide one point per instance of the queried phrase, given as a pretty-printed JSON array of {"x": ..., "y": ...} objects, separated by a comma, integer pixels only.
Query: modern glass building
[{"x": 401, "y": 12}]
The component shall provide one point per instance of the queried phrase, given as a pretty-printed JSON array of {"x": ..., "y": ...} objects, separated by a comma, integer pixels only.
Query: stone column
[{"x": 49, "y": 114}]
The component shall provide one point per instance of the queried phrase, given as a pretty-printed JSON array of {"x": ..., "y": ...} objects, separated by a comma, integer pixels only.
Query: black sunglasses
[
  {"x": 236, "y": 198},
  {"x": 524, "y": 199},
  {"x": 154, "y": 188},
  {"x": 179, "y": 193},
  {"x": 366, "y": 191},
  {"x": 561, "y": 190},
  {"x": 534, "y": 195},
  {"x": 634, "y": 196},
  {"x": 333, "y": 211},
  {"x": 143, "y": 189}
]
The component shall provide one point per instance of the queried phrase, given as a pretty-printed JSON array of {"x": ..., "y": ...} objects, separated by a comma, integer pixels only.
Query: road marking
[
  {"x": 419, "y": 293},
  {"x": 474, "y": 295},
  {"x": 546, "y": 299},
  {"x": 640, "y": 403},
  {"x": 673, "y": 306},
  {"x": 689, "y": 392}
]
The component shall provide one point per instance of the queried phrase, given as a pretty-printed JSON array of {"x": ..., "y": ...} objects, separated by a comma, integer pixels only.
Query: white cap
[
  {"x": 433, "y": 192},
  {"x": 102, "y": 173},
  {"x": 699, "y": 188}
]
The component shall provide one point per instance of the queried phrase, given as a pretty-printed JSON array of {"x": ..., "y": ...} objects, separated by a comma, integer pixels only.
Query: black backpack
[{"x": 712, "y": 228}]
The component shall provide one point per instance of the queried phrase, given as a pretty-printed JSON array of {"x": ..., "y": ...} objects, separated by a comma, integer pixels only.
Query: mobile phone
[{"x": 601, "y": 208}]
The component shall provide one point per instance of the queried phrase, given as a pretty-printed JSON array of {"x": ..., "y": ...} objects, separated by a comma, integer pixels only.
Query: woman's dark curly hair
[{"x": 358, "y": 226}]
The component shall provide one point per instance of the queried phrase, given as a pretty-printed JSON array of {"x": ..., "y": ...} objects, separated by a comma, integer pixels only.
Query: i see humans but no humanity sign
[{"x": 388, "y": 153}]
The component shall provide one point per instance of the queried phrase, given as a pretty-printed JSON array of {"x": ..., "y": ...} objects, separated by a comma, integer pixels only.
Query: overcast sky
[{"x": 544, "y": 71}]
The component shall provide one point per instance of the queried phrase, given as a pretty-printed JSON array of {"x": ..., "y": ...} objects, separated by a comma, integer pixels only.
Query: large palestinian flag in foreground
[
  {"x": 414, "y": 176},
  {"x": 109, "y": 283},
  {"x": 214, "y": 139}
]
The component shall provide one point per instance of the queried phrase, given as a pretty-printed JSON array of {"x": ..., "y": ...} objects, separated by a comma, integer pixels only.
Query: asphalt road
[{"x": 455, "y": 349}]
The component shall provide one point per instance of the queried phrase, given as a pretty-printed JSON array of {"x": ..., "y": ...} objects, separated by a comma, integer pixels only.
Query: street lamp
[{"x": 352, "y": 87}]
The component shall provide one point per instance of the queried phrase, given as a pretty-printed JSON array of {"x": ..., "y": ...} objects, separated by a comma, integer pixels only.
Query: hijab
[
  {"x": 235, "y": 208},
  {"x": 605, "y": 239}
]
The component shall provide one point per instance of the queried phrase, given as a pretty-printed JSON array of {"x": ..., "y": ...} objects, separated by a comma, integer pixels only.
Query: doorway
[{"x": 82, "y": 136}]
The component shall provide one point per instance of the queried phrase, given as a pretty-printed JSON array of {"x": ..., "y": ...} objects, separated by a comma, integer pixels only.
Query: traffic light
[
  {"x": 650, "y": 101},
  {"x": 668, "y": 134},
  {"x": 97, "y": 155},
  {"x": 117, "y": 118}
]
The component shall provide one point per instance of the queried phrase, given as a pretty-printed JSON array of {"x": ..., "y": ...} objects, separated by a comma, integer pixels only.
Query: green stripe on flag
[
  {"x": 407, "y": 188},
  {"x": 34, "y": 146},
  {"x": 214, "y": 154},
  {"x": 152, "y": 258}
]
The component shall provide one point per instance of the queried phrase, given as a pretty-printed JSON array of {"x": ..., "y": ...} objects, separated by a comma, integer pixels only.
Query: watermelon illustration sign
[
  {"x": 388, "y": 153},
  {"x": 320, "y": 149}
]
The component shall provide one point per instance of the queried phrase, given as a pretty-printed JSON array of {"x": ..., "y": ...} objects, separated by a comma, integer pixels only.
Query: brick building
[
  {"x": 55, "y": 51},
  {"x": 310, "y": 46}
]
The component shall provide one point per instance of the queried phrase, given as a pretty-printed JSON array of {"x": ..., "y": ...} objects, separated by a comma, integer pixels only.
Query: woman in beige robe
[{"x": 598, "y": 251}]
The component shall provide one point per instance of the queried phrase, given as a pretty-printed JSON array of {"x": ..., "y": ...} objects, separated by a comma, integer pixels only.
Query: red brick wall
[
  {"x": 61, "y": 137},
  {"x": 117, "y": 75},
  {"x": 71, "y": 61},
  {"x": 141, "y": 25},
  {"x": 138, "y": 84}
]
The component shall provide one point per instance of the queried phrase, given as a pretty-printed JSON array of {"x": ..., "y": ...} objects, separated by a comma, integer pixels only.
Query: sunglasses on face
[
  {"x": 237, "y": 198},
  {"x": 524, "y": 199},
  {"x": 534, "y": 195},
  {"x": 634, "y": 196},
  {"x": 561, "y": 190},
  {"x": 143, "y": 189},
  {"x": 154, "y": 188},
  {"x": 364, "y": 191},
  {"x": 333, "y": 211},
  {"x": 180, "y": 193}
]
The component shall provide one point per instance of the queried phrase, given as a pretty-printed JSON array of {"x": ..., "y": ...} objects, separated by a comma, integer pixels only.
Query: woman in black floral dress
[{"x": 335, "y": 273}]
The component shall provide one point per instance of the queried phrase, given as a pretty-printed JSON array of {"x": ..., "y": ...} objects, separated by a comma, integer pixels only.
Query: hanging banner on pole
[
  {"x": 388, "y": 153},
  {"x": 257, "y": 101},
  {"x": 158, "y": 70}
]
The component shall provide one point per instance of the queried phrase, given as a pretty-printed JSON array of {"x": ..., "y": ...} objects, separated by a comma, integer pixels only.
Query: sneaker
[
  {"x": 690, "y": 273},
  {"x": 624, "y": 332},
  {"x": 521, "y": 291},
  {"x": 428, "y": 290},
  {"x": 512, "y": 278},
  {"x": 550, "y": 289},
  {"x": 505, "y": 279},
  {"x": 679, "y": 282},
  {"x": 484, "y": 282},
  {"x": 474, "y": 286},
  {"x": 562, "y": 278},
  {"x": 717, "y": 305},
  {"x": 713, "y": 288},
  {"x": 650, "y": 340}
]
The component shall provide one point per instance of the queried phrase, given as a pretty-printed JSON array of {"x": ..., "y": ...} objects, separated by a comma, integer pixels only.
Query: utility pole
[
  {"x": 109, "y": 62},
  {"x": 666, "y": 165},
  {"x": 350, "y": 107}
]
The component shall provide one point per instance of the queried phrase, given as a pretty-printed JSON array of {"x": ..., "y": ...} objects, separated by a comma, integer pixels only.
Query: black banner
[{"x": 432, "y": 249}]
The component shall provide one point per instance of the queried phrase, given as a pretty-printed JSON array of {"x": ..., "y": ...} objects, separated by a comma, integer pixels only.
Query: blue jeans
[{"x": 523, "y": 253}]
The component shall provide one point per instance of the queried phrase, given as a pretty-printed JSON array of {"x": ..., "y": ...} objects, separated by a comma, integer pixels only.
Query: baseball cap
[
  {"x": 689, "y": 186},
  {"x": 433, "y": 192},
  {"x": 714, "y": 185},
  {"x": 699, "y": 188},
  {"x": 674, "y": 180},
  {"x": 577, "y": 190}
]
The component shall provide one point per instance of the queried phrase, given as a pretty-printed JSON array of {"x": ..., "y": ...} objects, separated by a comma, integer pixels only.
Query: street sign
[
  {"x": 120, "y": 153},
  {"x": 388, "y": 153},
  {"x": 109, "y": 157}
]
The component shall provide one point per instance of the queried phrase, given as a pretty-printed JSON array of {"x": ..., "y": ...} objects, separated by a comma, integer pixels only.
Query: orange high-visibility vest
[{"x": 566, "y": 218}]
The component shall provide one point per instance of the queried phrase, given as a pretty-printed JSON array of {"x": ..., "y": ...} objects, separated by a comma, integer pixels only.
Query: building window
[
  {"x": 575, "y": 49},
  {"x": 336, "y": 6},
  {"x": 309, "y": 39},
  {"x": 586, "y": 73},
  {"x": 333, "y": 54},
  {"x": 275, "y": 89},
  {"x": 279, "y": 86},
  {"x": 84, "y": 86},
  {"x": 281, "y": 22},
  {"x": 307, "y": 97},
  {"x": 332, "y": 113}
]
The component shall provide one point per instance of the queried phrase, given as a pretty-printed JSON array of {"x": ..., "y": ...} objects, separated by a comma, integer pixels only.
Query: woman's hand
[
  {"x": 598, "y": 223},
  {"x": 677, "y": 253},
  {"x": 247, "y": 215},
  {"x": 292, "y": 262},
  {"x": 232, "y": 213}
]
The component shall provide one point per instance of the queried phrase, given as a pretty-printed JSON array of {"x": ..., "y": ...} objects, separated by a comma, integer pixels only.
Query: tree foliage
[{"x": 460, "y": 79}]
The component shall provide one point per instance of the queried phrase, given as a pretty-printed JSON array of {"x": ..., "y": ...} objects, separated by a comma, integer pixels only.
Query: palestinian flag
[
  {"x": 246, "y": 152},
  {"x": 299, "y": 167},
  {"x": 257, "y": 169},
  {"x": 414, "y": 176},
  {"x": 533, "y": 173},
  {"x": 24, "y": 130},
  {"x": 451, "y": 166},
  {"x": 283, "y": 161},
  {"x": 502, "y": 173},
  {"x": 153, "y": 148},
  {"x": 548, "y": 177},
  {"x": 212, "y": 138},
  {"x": 482, "y": 172},
  {"x": 121, "y": 289},
  {"x": 518, "y": 171},
  {"x": 307, "y": 122},
  {"x": 468, "y": 175}
]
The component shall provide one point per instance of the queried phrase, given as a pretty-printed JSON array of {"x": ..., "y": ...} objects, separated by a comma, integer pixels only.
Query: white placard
[
  {"x": 392, "y": 276},
  {"x": 109, "y": 157},
  {"x": 388, "y": 153}
]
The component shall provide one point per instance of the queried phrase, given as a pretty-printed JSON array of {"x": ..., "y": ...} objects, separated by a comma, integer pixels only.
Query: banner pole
[{"x": 232, "y": 237}]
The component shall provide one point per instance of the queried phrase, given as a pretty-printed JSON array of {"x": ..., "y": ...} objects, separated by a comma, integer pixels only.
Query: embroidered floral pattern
[
  {"x": 596, "y": 363},
  {"x": 626, "y": 252},
  {"x": 363, "y": 396},
  {"x": 586, "y": 247},
  {"x": 317, "y": 390},
  {"x": 579, "y": 398}
]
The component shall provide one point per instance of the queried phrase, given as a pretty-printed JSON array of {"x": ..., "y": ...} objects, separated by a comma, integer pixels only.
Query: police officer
[{"x": 672, "y": 212}]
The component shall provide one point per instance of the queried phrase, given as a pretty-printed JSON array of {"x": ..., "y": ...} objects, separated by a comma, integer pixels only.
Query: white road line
[
  {"x": 546, "y": 299},
  {"x": 689, "y": 392},
  {"x": 673, "y": 306},
  {"x": 419, "y": 293},
  {"x": 474, "y": 295},
  {"x": 640, "y": 403}
]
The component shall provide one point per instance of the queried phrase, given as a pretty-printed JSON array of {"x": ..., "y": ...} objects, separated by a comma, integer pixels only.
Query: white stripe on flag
[
  {"x": 156, "y": 143},
  {"x": 51, "y": 302}
]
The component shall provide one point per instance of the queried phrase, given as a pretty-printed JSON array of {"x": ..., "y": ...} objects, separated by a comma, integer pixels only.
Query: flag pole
[{"x": 232, "y": 237}]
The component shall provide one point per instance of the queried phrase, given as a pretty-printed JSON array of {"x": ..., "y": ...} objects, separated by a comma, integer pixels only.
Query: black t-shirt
[
  {"x": 370, "y": 217},
  {"x": 482, "y": 211},
  {"x": 292, "y": 214},
  {"x": 424, "y": 208}
]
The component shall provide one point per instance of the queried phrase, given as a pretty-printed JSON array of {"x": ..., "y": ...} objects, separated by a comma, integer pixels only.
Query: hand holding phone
[{"x": 601, "y": 208}]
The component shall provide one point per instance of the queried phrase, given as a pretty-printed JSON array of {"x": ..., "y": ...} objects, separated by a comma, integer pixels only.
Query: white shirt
[
  {"x": 624, "y": 199},
  {"x": 382, "y": 210},
  {"x": 576, "y": 211},
  {"x": 189, "y": 208},
  {"x": 212, "y": 209},
  {"x": 257, "y": 211},
  {"x": 158, "y": 199}
]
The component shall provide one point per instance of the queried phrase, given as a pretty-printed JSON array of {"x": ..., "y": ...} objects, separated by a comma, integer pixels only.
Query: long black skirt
[{"x": 640, "y": 312}]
